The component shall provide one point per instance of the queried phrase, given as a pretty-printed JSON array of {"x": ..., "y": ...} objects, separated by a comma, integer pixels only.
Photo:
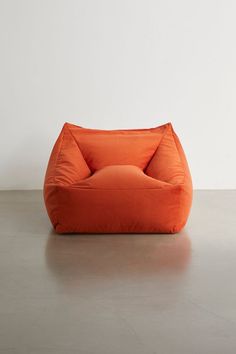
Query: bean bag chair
[{"x": 118, "y": 181}]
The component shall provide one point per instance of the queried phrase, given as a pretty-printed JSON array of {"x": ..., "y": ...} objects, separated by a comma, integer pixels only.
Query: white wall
[{"x": 117, "y": 64}]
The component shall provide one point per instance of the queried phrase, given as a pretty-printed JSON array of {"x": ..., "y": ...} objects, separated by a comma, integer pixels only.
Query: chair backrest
[{"x": 102, "y": 148}]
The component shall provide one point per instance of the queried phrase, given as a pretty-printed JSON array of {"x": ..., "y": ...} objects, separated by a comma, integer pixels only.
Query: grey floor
[{"x": 118, "y": 294}]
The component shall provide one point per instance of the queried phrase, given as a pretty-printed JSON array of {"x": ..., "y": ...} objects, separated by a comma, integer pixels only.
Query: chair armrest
[
  {"x": 66, "y": 164},
  {"x": 169, "y": 164}
]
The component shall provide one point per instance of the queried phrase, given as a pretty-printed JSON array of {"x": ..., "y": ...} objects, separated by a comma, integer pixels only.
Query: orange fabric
[
  {"x": 118, "y": 181},
  {"x": 127, "y": 147}
]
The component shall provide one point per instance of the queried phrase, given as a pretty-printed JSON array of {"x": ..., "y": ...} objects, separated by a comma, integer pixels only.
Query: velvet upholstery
[{"x": 118, "y": 181}]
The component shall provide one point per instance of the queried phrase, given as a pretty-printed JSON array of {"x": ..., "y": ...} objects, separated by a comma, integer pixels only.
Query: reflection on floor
[
  {"x": 74, "y": 260},
  {"x": 117, "y": 293}
]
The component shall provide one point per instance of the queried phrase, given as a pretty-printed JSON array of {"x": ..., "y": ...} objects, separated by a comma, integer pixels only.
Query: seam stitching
[
  {"x": 181, "y": 160},
  {"x": 59, "y": 154}
]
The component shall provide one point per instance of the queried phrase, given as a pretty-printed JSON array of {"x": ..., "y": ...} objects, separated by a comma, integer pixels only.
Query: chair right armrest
[{"x": 169, "y": 164}]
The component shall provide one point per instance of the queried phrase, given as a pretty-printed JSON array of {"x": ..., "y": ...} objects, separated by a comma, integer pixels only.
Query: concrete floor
[{"x": 118, "y": 294}]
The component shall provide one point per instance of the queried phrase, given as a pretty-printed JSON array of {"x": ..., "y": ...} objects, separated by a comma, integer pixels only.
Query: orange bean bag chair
[{"x": 118, "y": 181}]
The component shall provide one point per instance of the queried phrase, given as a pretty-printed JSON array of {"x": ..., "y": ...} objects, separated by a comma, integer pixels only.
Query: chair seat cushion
[{"x": 121, "y": 177}]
